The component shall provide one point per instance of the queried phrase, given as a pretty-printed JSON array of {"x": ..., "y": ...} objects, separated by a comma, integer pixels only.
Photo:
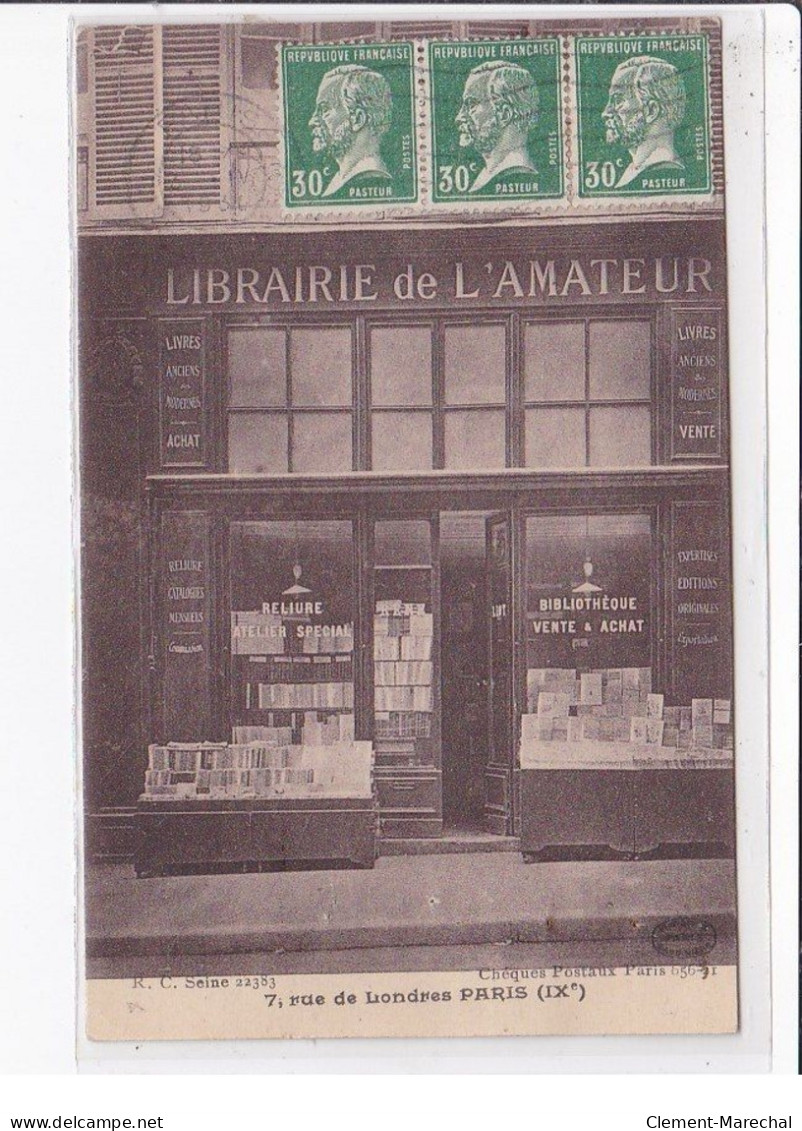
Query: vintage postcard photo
[{"x": 405, "y": 504}]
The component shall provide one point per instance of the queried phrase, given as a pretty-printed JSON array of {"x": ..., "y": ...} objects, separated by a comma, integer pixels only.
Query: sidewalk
[{"x": 455, "y": 900}]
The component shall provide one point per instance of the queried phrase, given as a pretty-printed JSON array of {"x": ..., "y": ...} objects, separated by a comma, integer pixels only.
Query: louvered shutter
[
  {"x": 192, "y": 114},
  {"x": 126, "y": 177}
]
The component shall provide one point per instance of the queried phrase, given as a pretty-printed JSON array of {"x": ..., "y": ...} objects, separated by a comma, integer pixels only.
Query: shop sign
[
  {"x": 699, "y": 602},
  {"x": 186, "y": 625},
  {"x": 539, "y": 278},
  {"x": 696, "y": 384},
  {"x": 182, "y": 366},
  {"x": 580, "y": 616}
]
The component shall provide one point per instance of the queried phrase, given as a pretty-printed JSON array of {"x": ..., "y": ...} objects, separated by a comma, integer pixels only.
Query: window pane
[
  {"x": 320, "y": 366},
  {"x": 401, "y": 365},
  {"x": 258, "y": 57},
  {"x": 257, "y": 442},
  {"x": 475, "y": 364},
  {"x": 403, "y": 543},
  {"x": 618, "y": 548},
  {"x": 273, "y": 566},
  {"x": 475, "y": 439},
  {"x": 321, "y": 441},
  {"x": 620, "y": 361},
  {"x": 257, "y": 364},
  {"x": 554, "y": 361},
  {"x": 620, "y": 437},
  {"x": 555, "y": 437},
  {"x": 402, "y": 441}
]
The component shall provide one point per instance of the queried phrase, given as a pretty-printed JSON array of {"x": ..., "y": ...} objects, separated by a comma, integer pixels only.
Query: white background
[{"x": 37, "y": 790}]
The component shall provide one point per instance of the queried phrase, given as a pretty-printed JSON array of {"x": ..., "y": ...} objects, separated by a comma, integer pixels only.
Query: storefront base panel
[
  {"x": 409, "y": 802},
  {"x": 111, "y": 834},
  {"x": 258, "y": 837},
  {"x": 609, "y": 814}
]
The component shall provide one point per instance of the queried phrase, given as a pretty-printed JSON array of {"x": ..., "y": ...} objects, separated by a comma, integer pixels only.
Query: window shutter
[
  {"x": 192, "y": 114},
  {"x": 127, "y": 111}
]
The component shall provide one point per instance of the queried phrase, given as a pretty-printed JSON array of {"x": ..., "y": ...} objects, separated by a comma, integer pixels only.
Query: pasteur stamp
[
  {"x": 643, "y": 111},
  {"x": 349, "y": 135},
  {"x": 495, "y": 120}
]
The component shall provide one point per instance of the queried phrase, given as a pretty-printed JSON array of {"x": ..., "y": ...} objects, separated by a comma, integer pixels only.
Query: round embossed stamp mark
[{"x": 684, "y": 937}]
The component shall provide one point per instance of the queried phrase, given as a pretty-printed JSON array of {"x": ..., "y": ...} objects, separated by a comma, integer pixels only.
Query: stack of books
[
  {"x": 618, "y": 705},
  {"x": 321, "y": 729},
  {"x": 274, "y": 736},
  {"x": 403, "y": 672},
  {"x": 305, "y": 696},
  {"x": 204, "y": 771}
]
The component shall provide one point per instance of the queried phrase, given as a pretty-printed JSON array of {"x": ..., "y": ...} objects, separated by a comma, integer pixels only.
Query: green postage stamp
[
  {"x": 495, "y": 120},
  {"x": 349, "y": 124},
  {"x": 642, "y": 104}
]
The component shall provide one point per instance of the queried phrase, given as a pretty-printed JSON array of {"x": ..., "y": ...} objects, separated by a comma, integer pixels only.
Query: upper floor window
[
  {"x": 440, "y": 393},
  {"x": 291, "y": 399},
  {"x": 587, "y": 393}
]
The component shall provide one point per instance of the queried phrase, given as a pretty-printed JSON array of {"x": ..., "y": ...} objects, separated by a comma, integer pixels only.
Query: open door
[{"x": 499, "y": 769}]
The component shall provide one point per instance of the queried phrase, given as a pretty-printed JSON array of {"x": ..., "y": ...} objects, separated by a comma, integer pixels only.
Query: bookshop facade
[{"x": 408, "y": 497}]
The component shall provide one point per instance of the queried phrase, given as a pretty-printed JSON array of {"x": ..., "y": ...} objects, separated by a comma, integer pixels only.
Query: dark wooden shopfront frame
[
  {"x": 365, "y": 499},
  {"x": 365, "y": 496}
]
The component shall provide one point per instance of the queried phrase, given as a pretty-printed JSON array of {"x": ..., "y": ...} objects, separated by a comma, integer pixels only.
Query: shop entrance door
[{"x": 498, "y": 772}]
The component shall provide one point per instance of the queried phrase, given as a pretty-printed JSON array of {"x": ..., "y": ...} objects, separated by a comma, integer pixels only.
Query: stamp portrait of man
[
  {"x": 498, "y": 112},
  {"x": 353, "y": 112},
  {"x": 645, "y": 105}
]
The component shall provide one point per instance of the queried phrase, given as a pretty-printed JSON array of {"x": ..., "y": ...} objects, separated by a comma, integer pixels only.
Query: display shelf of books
[
  {"x": 405, "y": 721},
  {"x": 663, "y": 772},
  {"x": 292, "y": 751},
  {"x": 403, "y": 680}
]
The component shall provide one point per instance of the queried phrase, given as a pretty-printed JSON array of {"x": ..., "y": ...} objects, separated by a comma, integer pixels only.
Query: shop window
[
  {"x": 401, "y": 441},
  {"x": 587, "y": 394},
  {"x": 554, "y": 361},
  {"x": 619, "y": 437},
  {"x": 475, "y": 439},
  {"x": 475, "y": 367},
  {"x": 321, "y": 441},
  {"x": 588, "y": 598},
  {"x": 257, "y": 442},
  {"x": 619, "y": 360},
  {"x": 292, "y": 635},
  {"x": 257, "y": 362},
  {"x": 400, "y": 366},
  {"x": 558, "y": 431},
  {"x": 403, "y": 542},
  {"x": 403, "y": 640},
  {"x": 321, "y": 366},
  {"x": 301, "y": 378},
  {"x": 401, "y": 369}
]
